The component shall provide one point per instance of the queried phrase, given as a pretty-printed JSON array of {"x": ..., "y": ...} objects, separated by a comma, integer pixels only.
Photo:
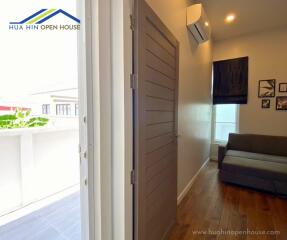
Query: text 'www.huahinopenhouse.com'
[{"x": 234, "y": 232}]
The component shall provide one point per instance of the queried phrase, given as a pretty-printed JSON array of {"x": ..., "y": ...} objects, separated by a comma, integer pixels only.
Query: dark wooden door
[{"x": 155, "y": 125}]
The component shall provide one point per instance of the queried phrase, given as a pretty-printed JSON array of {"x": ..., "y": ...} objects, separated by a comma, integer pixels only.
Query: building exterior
[{"x": 55, "y": 104}]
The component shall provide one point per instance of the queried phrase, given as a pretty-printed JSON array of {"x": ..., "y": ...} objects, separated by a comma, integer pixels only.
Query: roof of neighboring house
[{"x": 12, "y": 108}]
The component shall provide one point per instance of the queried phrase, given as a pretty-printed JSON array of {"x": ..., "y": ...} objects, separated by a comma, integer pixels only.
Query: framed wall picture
[
  {"x": 283, "y": 87},
  {"x": 266, "y": 88},
  {"x": 281, "y": 103},
  {"x": 265, "y": 103}
]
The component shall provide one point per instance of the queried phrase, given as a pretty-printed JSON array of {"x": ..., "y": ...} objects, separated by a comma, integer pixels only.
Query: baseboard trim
[{"x": 189, "y": 185}]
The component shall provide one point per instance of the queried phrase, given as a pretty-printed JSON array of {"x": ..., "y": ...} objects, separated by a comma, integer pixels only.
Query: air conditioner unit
[{"x": 197, "y": 23}]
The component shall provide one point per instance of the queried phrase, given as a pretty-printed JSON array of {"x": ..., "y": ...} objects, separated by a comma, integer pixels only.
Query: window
[
  {"x": 230, "y": 81},
  {"x": 63, "y": 109},
  {"x": 46, "y": 109},
  {"x": 225, "y": 121}
]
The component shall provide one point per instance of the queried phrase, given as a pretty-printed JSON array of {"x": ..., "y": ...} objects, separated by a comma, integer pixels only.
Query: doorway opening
[{"x": 39, "y": 122}]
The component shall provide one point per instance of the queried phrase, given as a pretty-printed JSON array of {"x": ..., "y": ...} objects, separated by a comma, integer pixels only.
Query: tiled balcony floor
[{"x": 58, "y": 221}]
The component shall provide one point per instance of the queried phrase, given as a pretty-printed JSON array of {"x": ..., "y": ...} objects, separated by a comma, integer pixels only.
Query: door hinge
[
  {"x": 133, "y": 177},
  {"x": 80, "y": 153},
  {"x": 85, "y": 181},
  {"x": 133, "y": 22},
  {"x": 133, "y": 79}
]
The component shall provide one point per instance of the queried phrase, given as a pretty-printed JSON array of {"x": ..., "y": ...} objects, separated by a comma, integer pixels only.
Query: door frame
[
  {"x": 95, "y": 119},
  {"x": 105, "y": 57}
]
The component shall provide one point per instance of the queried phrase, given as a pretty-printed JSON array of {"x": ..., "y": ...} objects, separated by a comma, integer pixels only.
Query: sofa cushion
[
  {"x": 254, "y": 167},
  {"x": 257, "y": 156},
  {"x": 273, "y": 145}
]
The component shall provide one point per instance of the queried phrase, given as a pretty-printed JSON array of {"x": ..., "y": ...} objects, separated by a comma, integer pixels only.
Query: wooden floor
[{"x": 214, "y": 206}]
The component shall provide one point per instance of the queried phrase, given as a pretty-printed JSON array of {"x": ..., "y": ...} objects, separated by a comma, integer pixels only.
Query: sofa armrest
[{"x": 222, "y": 149}]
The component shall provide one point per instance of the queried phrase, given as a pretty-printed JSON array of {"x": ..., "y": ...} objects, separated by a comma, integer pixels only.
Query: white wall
[
  {"x": 194, "y": 125},
  {"x": 56, "y": 160},
  {"x": 36, "y": 163},
  {"x": 267, "y": 53},
  {"x": 10, "y": 180}
]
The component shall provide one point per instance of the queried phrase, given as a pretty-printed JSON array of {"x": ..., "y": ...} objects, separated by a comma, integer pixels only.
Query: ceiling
[{"x": 251, "y": 16}]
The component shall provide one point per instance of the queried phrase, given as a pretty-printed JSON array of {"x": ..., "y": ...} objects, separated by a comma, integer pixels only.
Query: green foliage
[{"x": 21, "y": 119}]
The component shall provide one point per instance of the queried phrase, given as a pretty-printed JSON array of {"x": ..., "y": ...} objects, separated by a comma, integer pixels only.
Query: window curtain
[{"x": 230, "y": 81}]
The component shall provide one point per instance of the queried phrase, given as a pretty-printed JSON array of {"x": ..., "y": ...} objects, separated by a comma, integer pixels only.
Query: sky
[{"x": 36, "y": 61}]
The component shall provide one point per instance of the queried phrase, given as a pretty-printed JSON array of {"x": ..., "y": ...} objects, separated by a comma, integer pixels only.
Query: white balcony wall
[
  {"x": 56, "y": 161},
  {"x": 10, "y": 173},
  {"x": 36, "y": 163}
]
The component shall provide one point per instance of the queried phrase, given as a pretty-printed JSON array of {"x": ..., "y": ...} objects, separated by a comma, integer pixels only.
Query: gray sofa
[{"x": 255, "y": 161}]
